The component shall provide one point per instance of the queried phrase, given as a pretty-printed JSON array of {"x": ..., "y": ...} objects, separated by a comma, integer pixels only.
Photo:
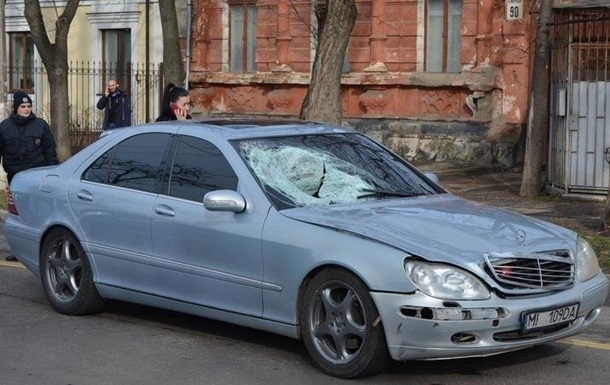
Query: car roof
[{"x": 241, "y": 128}]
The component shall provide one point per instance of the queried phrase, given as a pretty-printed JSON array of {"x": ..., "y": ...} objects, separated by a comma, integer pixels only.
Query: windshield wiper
[{"x": 385, "y": 193}]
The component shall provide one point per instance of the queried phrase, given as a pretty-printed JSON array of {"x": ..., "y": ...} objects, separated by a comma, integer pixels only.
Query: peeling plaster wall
[{"x": 475, "y": 115}]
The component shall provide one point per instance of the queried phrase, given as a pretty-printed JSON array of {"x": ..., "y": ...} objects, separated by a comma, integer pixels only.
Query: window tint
[
  {"x": 134, "y": 163},
  {"x": 199, "y": 167},
  {"x": 98, "y": 171}
]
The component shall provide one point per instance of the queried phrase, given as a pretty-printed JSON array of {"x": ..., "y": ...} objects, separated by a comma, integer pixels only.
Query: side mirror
[
  {"x": 224, "y": 200},
  {"x": 433, "y": 177}
]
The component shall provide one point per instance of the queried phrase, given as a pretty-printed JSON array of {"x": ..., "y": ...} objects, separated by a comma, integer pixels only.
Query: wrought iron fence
[{"x": 86, "y": 84}]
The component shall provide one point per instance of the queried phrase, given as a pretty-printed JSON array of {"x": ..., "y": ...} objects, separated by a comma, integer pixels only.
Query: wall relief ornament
[
  {"x": 280, "y": 100},
  {"x": 374, "y": 101},
  {"x": 242, "y": 99},
  {"x": 438, "y": 102}
]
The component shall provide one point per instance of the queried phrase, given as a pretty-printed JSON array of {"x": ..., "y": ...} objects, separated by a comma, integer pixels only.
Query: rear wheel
[
  {"x": 66, "y": 275},
  {"x": 340, "y": 326}
]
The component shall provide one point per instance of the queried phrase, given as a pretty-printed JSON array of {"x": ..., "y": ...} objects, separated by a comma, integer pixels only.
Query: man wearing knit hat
[{"x": 26, "y": 141}]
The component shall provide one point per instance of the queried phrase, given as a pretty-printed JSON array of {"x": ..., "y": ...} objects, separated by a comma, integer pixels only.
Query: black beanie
[{"x": 20, "y": 97}]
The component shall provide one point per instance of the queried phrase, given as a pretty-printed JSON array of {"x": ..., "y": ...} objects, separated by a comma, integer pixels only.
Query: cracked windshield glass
[{"x": 321, "y": 170}]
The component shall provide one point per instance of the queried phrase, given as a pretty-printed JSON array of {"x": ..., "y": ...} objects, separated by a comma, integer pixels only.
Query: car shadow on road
[
  {"x": 180, "y": 322},
  {"x": 186, "y": 323}
]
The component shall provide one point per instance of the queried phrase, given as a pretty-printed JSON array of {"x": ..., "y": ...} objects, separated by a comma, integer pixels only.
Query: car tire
[
  {"x": 340, "y": 326},
  {"x": 66, "y": 275}
]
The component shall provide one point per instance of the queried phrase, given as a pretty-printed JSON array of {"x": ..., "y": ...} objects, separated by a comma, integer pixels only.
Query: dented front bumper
[{"x": 419, "y": 327}]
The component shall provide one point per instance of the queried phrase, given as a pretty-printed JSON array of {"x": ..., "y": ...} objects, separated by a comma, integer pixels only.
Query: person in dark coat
[
  {"x": 176, "y": 104},
  {"x": 26, "y": 141},
  {"x": 116, "y": 106}
]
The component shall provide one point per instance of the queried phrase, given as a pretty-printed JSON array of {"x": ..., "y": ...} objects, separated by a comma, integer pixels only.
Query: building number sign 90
[{"x": 514, "y": 9}]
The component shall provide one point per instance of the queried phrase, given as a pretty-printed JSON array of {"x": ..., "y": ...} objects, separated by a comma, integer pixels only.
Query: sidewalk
[{"x": 499, "y": 187}]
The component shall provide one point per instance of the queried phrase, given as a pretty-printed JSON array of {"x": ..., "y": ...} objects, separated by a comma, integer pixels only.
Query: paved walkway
[{"x": 499, "y": 187}]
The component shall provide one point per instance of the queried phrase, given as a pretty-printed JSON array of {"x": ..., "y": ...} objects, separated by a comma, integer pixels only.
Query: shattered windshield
[{"x": 328, "y": 169}]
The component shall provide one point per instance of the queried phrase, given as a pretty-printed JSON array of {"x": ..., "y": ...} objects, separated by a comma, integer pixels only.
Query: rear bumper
[
  {"x": 24, "y": 242},
  {"x": 415, "y": 332}
]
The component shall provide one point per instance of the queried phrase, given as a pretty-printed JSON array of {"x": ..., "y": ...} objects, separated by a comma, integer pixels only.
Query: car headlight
[
  {"x": 587, "y": 266},
  {"x": 445, "y": 281}
]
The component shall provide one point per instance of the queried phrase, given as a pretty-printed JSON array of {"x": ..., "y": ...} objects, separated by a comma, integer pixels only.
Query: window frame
[
  {"x": 122, "y": 71},
  {"x": 27, "y": 68},
  {"x": 247, "y": 64},
  {"x": 449, "y": 63}
]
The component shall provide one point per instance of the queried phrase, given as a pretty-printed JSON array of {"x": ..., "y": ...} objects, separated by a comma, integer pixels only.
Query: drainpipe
[
  {"x": 147, "y": 60},
  {"x": 189, "y": 21},
  {"x": 3, "y": 61}
]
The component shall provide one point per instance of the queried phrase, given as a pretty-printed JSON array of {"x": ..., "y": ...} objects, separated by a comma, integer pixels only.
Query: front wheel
[
  {"x": 66, "y": 275},
  {"x": 340, "y": 326}
]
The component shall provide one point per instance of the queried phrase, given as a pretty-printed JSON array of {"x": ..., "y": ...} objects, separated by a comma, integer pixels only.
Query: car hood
[{"x": 441, "y": 227}]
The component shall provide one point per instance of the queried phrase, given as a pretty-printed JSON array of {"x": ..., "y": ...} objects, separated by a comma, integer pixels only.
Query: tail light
[{"x": 11, "y": 202}]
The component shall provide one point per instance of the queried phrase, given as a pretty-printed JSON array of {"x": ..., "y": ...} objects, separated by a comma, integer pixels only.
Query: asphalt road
[{"x": 131, "y": 344}]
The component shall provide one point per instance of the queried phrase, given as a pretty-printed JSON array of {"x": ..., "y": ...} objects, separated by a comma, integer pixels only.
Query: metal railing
[{"x": 86, "y": 84}]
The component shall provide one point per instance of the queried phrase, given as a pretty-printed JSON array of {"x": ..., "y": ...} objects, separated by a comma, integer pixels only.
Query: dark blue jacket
[
  {"x": 117, "y": 110},
  {"x": 26, "y": 143}
]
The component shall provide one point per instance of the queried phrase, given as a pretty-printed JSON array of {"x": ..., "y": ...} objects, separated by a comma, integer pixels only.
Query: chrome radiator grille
[{"x": 532, "y": 272}]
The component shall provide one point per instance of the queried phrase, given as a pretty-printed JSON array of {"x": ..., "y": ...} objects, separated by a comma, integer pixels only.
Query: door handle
[
  {"x": 84, "y": 195},
  {"x": 165, "y": 210}
]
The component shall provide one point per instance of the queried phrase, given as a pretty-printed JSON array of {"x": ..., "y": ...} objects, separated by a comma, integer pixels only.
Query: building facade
[
  {"x": 110, "y": 39},
  {"x": 433, "y": 79}
]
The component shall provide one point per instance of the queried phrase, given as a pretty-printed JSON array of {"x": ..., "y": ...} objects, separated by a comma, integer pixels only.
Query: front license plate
[{"x": 539, "y": 319}]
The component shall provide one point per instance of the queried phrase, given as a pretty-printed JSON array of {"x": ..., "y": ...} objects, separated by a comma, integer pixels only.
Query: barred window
[{"x": 443, "y": 35}]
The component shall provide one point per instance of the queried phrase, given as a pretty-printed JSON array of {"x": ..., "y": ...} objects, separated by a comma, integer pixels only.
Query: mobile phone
[{"x": 173, "y": 106}]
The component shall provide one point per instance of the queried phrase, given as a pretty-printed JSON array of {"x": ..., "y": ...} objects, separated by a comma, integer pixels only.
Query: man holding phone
[{"x": 116, "y": 106}]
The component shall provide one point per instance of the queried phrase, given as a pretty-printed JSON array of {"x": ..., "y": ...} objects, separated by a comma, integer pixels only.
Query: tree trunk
[
  {"x": 336, "y": 19},
  {"x": 173, "y": 66},
  {"x": 539, "y": 112},
  {"x": 55, "y": 59}
]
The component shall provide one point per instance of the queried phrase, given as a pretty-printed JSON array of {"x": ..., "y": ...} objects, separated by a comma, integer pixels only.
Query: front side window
[
  {"x": 242, "y": 28},
  {"x": 135, "y": 163},
  {"x": 198, "y": 168},
  {"x": 21, "y": 64},
  {"x": 443, "y": 35},
  {"x": 329, "y": 169}
]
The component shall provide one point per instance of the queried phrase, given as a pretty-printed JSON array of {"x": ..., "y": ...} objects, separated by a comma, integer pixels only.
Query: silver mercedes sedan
[{"x": 308, "y": 230}]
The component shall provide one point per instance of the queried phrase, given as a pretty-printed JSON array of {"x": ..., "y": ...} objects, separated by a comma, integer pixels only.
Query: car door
[
  {"x": 112, "y": 199},
  {"x": 199, "y": 256}
]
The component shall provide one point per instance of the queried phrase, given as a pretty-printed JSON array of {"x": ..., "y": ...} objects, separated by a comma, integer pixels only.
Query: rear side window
[
  {"x": 135, "y": 163},
  {"x": 198, "y": 168}
]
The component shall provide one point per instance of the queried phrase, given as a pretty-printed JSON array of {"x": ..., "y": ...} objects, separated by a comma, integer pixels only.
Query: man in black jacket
[
  {"x": 116, "y": 106},
  {"x": 26, "y": 141}
]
